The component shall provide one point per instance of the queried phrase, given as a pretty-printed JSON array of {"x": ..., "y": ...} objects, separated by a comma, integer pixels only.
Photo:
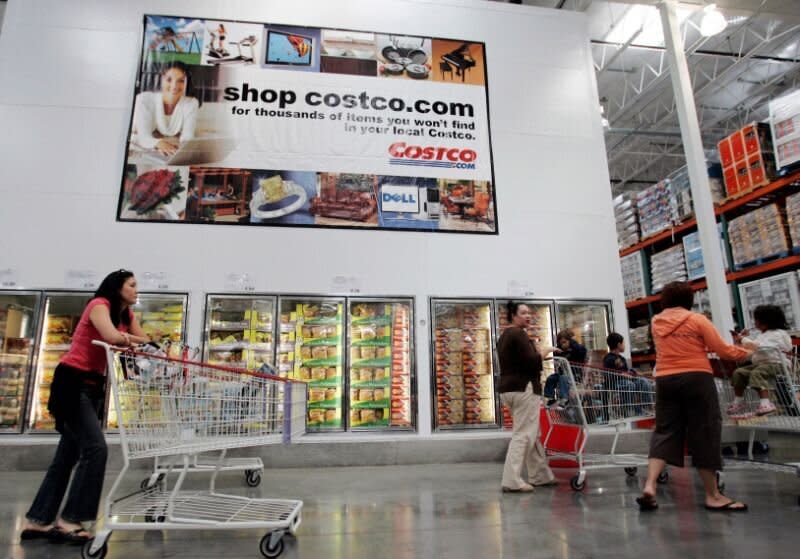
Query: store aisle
[{"x": 457, "y": 511}]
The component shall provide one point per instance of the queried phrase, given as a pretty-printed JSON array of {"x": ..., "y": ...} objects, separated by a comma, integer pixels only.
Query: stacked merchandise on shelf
[
  {"x": 380, "y": 367},
  {"x": 464, "y": 380},
  {"x": 240, "y": 337},
  {"x": 664, "y": 204},
  {"x": 667, "y": 266},
  {"x": 784, "y": 116},
  {"x": 781, "y": 290},
  {"x": 311, "y": 351},
  {"x": 793, "y": 219},
  {"x": 15, "y": 357},
  {"x": 654, "y": 206},
  {"x": 161, "y": 322},
  {"x": 757, "y": 235},
  {"x": 681, "y": 191},
  {"x": 400, "y": 408},
  {"x": 55, "y": 343},
  {"x": 540, "y": 332},
  {"x": 640, "y": 339},
  {"x": 633, "y": 276},
  {"x": 695, "y": 266},
  {"x": 747, "y": 159},
  {"x": 627, "y": 220}
]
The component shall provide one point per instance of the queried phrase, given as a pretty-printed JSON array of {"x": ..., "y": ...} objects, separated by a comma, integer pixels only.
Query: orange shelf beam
[
  {"x": 775, "y": 265},
  {"x": 647, "y": 358}
]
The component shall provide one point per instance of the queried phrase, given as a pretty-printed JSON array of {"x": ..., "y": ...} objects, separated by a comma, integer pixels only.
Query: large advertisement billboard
[{"x": 260, "y": 124}]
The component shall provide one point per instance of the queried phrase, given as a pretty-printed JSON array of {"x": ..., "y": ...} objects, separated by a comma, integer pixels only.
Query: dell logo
[{"x": 402, "y": 198}]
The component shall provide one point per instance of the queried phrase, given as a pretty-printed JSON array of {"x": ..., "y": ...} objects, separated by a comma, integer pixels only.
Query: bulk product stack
[
  {"x": 640, "y": 339},
  {"x": 747, "y": 159},
  {"x": 793, "y": 219},
  {"x": 667, "y": 266},
  {"x": 784, "y": 114},
  {"x": 633, "y": 276},
  {"x": 757, "y": 235},
  {"x": 627, "y": 220},
  {"x": 663, "y": 205}
]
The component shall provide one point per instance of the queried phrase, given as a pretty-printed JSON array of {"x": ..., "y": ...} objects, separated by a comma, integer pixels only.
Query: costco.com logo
[{"x": 431, "y": 156}]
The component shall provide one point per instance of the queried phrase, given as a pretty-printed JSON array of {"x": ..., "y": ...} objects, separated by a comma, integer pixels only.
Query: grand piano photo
[{"x": 460, "y": 58}]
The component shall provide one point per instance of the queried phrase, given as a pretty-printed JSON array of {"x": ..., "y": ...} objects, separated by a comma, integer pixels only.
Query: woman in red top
[{"x": 77, "y": 395}]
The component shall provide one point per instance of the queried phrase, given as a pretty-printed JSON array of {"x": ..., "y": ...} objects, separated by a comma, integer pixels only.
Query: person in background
[
  {"x": 687, "y": 408},
  {"x": 771, "y": 344},
  {"x": 576, "y": 354},
  {"x": 520, "y": 389},
  {"x": 638, "y": 388},
  {"x": 163, "y": 119},
  {"x": 192, "y": 212},
  {"x": 77, "y": 396}
]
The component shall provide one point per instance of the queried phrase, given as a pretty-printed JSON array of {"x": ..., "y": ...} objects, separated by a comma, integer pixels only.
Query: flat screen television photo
[{"x": 287, "y": 48}]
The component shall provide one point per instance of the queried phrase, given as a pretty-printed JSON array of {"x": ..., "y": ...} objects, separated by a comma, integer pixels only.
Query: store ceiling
[{"x": 734, "y": 75}]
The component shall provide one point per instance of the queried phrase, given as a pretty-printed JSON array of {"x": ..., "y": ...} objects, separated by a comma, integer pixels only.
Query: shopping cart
[
  {"x": 598, "y": 400},
  {"x": 784, "y": 392},
  {"x": 168, "y": 407},
  {"x": 252, "y": 467}
]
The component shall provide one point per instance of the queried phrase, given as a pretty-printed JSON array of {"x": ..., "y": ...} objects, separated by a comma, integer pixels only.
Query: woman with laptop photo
[{"x": 163, "y": 119}]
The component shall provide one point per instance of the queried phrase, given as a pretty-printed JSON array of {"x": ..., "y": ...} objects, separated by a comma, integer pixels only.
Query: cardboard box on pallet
[
  {"x": 784, "y": 116},
  {"x": 747, "y": 159},
  {"x": 757, "y": 235}
]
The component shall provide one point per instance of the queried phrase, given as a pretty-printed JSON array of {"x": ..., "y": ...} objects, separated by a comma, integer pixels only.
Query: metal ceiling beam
[
  {"x": 718, "y": 81},
  {"x": 698, "y": 52},
  {"x": 754, "y": 99}
]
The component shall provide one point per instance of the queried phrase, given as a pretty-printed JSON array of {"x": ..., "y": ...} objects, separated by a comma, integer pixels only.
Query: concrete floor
[{"x": 458, "y": 511}]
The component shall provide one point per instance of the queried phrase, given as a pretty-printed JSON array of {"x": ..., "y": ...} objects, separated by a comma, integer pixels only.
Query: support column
[{"x": 698, "y": 175}]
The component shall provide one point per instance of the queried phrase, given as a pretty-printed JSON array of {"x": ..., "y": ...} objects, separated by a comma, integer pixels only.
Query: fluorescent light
[{"x": 713, "y": 21}]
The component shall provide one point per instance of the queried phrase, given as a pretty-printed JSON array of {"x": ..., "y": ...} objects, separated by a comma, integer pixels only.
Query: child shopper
[{"x": 765, "y": 365}]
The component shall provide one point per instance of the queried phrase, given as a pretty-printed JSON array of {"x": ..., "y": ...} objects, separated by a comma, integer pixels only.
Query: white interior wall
[{"x": 68, "y": 70}]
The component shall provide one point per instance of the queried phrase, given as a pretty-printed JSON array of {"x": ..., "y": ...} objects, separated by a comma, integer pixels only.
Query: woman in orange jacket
[{"x": 687, "y": 408}]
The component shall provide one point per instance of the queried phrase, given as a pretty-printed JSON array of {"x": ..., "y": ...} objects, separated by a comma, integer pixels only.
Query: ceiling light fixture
[{"x": 713, "y": 21}]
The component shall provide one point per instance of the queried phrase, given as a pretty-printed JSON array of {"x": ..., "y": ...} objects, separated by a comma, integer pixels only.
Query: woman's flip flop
[
  {"x": 730, "y": 506},
  {"x": 646, "y": 502}
]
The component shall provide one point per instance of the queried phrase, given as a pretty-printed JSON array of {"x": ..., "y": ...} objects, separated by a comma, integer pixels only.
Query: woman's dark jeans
[{"x": 82, "y": 443}]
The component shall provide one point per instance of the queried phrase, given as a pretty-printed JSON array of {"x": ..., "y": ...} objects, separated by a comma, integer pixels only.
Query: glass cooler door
[
  {"x": 62, "y": 311},
  {"x": 19, "y": 312},
  {"x": 540, "y": 332},
  {"x": 462, "y": 364},
  {"x": 590, "y": 321},
  {"x": 380, "y": 368},
  {"x": 310, "y": 349},
  {"x": 239, "y": 330},
  {"x": 162, "y": 316}
]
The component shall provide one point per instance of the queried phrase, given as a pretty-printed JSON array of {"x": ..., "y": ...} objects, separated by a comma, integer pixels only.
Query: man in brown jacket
[{"x": 521, "y": 390}]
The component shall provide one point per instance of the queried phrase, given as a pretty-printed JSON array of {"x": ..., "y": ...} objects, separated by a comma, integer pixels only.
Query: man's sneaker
[
  {"x": 736, "y": 408},
  {"x": 766, "y": 408}
]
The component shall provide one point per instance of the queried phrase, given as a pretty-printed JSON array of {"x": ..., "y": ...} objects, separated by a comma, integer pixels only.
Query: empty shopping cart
[{"x": 173, "y": 407}]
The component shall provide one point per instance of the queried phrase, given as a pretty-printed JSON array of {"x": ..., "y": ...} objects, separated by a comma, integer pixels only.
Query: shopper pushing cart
[{"x": 169, "y": 407}]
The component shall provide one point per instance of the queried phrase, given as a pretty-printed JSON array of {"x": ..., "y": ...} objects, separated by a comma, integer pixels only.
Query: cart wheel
[
  {"x": 663, "y": 477},
  {"x": 576, "y": 484},
  {"x": 720, "y": 482},
  {"x": 270, "y": 552},
  {"x": 153, "y": 516},
  {"x": 631, "y": 471},
  {"x": 252, "y": 478},
  {"x": 99, "y": 554}
]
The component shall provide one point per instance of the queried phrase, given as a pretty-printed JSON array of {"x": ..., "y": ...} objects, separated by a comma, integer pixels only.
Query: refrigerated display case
[
  {"x": 540, "y": 331},
  {"x": 462, "y": 363},
  {"x": 162, "y": 316},
  {"x": 380, "y": 346},
  {"x": 310, "y": 349},
  {"x": 590, "y": 322},
  {"x": 781, "y": 290},
  {"x": 19, "y": 312},
  {"x": 62, "y": 311},
  {"x": 239, "y": 330}
]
